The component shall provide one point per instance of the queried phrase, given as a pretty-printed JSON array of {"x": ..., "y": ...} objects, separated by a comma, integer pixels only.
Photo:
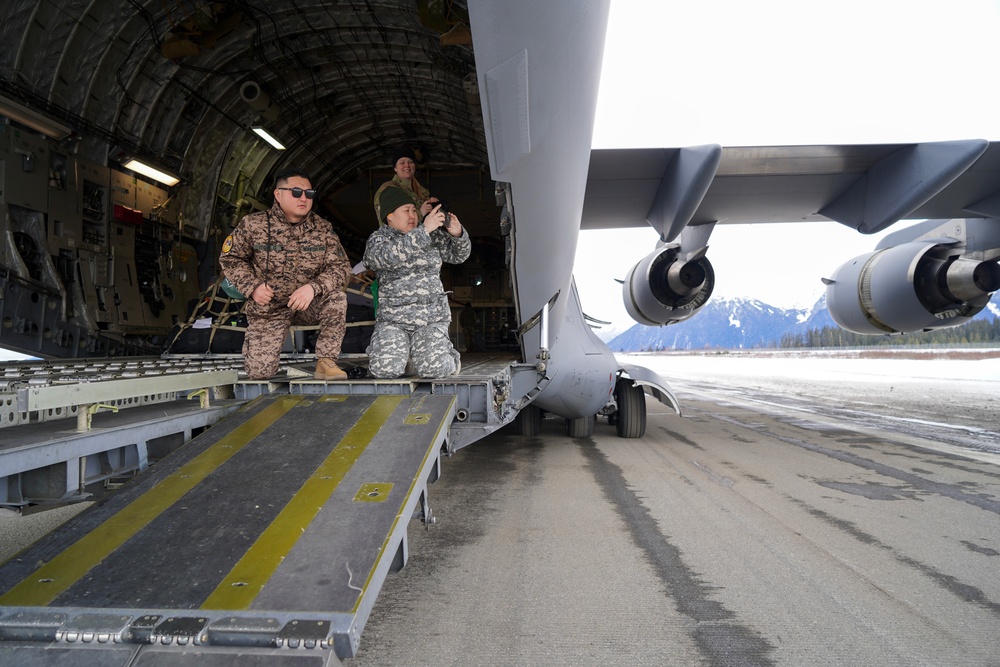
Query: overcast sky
[{"x": 773, "y": 72}]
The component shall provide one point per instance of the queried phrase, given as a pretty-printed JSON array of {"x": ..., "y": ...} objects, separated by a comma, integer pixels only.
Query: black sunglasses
[{"x": 297, "y": 192}]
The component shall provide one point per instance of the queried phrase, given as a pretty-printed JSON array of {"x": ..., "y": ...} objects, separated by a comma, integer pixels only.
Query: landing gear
[
  {"x": 630, "y": 421},
  {"x": 582, "y": 427},
  {"x": 529, "y": 421}
]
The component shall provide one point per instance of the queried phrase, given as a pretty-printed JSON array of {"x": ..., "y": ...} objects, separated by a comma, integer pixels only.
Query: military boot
[{"x": 327, "y": 369}]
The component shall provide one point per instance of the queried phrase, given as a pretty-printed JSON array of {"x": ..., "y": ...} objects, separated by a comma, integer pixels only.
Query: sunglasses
[{"x": 298, "y": 192}]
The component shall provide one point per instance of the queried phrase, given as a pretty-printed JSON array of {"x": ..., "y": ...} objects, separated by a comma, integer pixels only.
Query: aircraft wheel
[
  {"x": 631, "y": 421},
  {"x": 529, "y": 421},
  {"x": 582, "y": 427}
]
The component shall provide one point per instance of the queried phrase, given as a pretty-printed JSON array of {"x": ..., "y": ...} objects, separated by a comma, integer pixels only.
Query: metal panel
[
  {"x": 126, "y": 281},
  {"x": 62, "y": 655},
  {"x": 95, "y": 274},
  {"x": 64, "y": 229},
  {"x": 123, "y": 191},
  {"x": 179, "y": 273},
  {"x": 148, "y": 197},
  {"x": 27, "y": 173},
  {"x": 86, "y": 393},
  {"x": 95, "y": 183}
]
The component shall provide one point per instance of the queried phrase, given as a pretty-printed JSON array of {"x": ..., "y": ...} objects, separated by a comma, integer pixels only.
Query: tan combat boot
[{"x": 327, "y": 369}]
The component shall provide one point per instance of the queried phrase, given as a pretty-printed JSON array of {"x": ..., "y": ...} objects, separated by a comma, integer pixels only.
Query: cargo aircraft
[
  {"x": 137, "y": 133},
  {"x": 101, "y": 260}
]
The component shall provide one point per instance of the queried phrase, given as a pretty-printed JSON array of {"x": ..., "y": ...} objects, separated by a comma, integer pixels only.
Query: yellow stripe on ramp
[
  {"x": 252, "y": 572},
  {"x": 53, "y": 578}
]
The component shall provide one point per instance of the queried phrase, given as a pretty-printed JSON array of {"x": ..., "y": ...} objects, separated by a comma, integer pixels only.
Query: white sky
[{"x": 778, "y": 72}]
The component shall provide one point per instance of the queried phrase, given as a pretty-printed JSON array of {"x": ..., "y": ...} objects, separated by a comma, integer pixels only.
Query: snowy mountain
[{"x": 733, "y": 324}]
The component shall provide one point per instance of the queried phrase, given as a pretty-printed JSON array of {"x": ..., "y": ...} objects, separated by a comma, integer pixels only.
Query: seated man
[
  {"x": 413, "y": 310},
  {"x": 290, "y": 263}
]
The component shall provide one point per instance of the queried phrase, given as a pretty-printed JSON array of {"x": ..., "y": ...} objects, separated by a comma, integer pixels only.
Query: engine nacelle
[
  {"x": 667, "y": 286},
  {"x": 915, "y": 286}
]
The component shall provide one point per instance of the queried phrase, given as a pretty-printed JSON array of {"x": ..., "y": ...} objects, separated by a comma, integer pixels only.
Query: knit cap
[
  {"x": 401, "y": 152},
  {"x": 391, "y": 199}
]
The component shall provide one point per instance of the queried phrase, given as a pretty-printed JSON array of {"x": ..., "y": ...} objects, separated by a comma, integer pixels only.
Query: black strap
[{"x": 267, "y": 257}]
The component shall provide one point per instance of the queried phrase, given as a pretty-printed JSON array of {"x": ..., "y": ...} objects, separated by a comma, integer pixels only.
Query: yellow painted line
[
  {"x": 53, "y": 578},
  {"x": 252, "y": 572},
  {"x": 431, "y": 451}
]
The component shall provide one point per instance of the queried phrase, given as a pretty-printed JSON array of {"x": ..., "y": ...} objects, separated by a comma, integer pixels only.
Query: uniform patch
[{"x": 227, "y": 245}]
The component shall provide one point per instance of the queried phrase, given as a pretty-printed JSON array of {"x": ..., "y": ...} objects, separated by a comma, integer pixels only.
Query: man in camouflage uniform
[
  {"x": 413, "y": 310},
  {"x": 290, "y": 263}
]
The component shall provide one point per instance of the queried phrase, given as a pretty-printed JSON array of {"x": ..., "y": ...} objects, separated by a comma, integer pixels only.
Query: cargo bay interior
[{"x": 100, "y": 259}]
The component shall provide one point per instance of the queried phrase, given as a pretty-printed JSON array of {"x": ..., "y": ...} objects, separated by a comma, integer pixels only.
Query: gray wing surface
[{"x": 866, "y": 187}]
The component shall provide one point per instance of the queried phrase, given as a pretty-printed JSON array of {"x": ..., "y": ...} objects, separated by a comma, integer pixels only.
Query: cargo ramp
[{"x": 263, "y": 541}]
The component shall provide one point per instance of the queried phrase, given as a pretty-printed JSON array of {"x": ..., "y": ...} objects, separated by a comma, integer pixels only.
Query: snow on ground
[
  {"x": 822, "y": 365},
  {"x": 934, "y": 386}
]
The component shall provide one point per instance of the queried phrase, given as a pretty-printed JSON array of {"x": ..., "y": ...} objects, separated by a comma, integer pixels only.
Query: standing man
[{"x": 291, "y": 264}]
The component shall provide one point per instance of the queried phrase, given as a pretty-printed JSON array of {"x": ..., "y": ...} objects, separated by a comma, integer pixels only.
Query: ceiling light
[
  {"x": 266, "y": 136},
  {"x": 152, "y": 172},
  {"x": 33, "y": 119}
]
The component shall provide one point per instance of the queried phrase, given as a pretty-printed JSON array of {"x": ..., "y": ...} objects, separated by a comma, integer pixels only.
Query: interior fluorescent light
[
  {"x": 266, "y": 136},
  {"x": 152, "y": 172},
  {"x": 33, "y": 119}
]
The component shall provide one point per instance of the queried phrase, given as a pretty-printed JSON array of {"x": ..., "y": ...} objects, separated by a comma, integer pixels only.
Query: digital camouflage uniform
[
  {"x": 419, "y": 196},
  {"x": 413, "y": 310},
  {"x": 286, "y": 257}
]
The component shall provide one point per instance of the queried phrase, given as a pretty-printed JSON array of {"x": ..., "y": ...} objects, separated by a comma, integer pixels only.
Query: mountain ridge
[{"x": 736, "y": 323}]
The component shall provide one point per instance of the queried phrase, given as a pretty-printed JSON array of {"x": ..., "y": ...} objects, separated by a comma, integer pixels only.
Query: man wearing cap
[
  {"x": 291, "y": 264},
  {"x": 413, "y": 310},
  {"x": 404, "y": 164}
]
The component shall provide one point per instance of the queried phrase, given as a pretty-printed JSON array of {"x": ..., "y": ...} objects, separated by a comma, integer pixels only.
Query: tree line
[{"x": 976, "y": 332}]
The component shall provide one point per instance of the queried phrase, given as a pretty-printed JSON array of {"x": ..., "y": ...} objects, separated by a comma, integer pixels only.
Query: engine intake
[
  {"x": 917, "y": 286},
  {"x": 667, "y": 286}
]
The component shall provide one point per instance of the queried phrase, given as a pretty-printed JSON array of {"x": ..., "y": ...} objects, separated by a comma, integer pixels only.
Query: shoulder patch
[{"x": 227, "y": 245}]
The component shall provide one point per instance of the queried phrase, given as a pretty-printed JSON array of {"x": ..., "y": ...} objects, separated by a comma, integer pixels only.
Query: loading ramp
[{"x": 265, "y": 540}]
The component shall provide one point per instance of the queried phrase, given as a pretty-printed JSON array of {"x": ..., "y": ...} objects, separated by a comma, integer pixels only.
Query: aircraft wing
[{"x": 866, "y": 187}]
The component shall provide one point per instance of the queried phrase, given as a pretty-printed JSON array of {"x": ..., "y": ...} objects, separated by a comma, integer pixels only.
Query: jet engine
[
  {"x": 915, "y": 286},
  {"x": 668, "y": 286}
]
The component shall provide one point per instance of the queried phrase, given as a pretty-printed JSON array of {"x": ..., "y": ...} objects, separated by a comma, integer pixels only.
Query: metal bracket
[
  {"x": 85, "y": 415},
  {"x": 542, "y": 318},
  {"x": 203, "y": 395},
  {"x": 426, "y": 514}
]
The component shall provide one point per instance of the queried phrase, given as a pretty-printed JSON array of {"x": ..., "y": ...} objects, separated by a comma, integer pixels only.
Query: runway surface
[
  {"x": 783, "y": 520},
  {"x": 804, "y": 510}
]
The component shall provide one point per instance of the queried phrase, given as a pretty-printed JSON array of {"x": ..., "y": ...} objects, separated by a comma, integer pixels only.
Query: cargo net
[{"x": 217, "y": 324}]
